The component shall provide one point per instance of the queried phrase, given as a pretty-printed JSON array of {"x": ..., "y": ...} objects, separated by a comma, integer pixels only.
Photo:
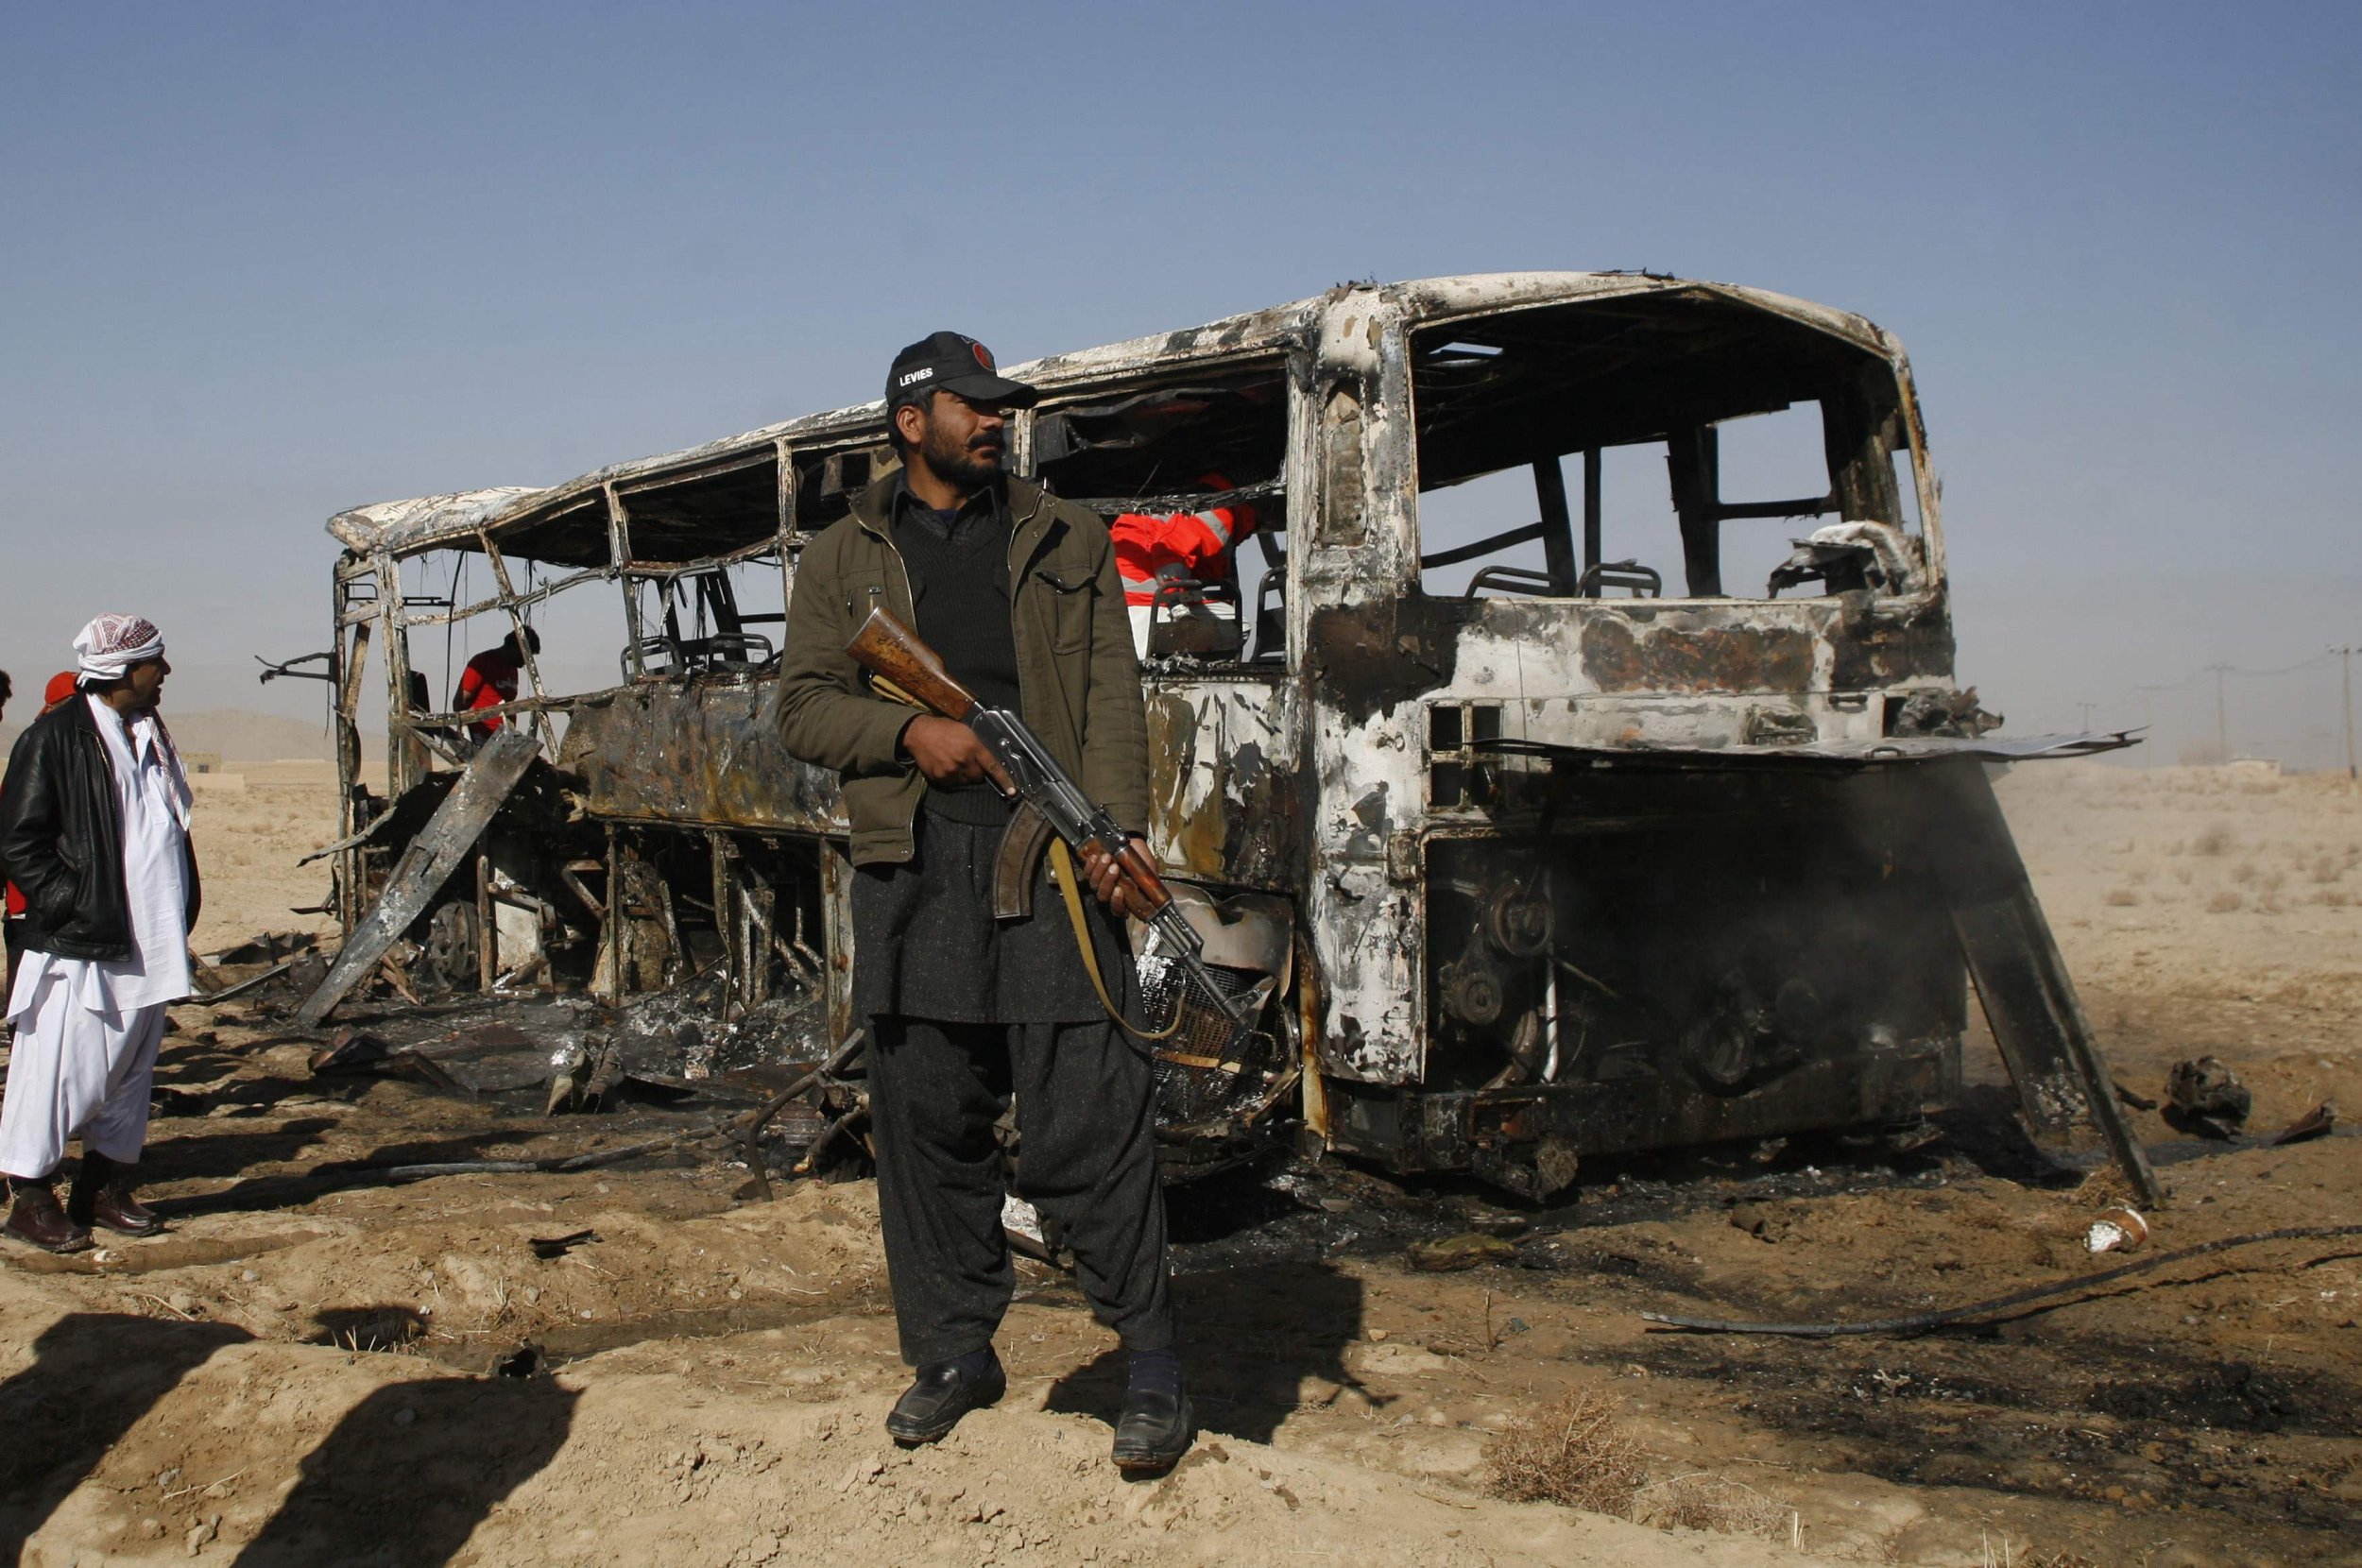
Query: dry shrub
[
  {"x": 2243, "y": 872},
  {"x": 2335, "y": 898},
  {"x": 2224, "y": 902},
  {"x": 2122, "y": 897},
  {"x": 1574, "y": 1452},
  {"x": 1700, "y": 1500},
  {"x": 2327, "y": 870},
  {"x": 2184, "y": 875},
  {"x": 2215, "y": 839}
]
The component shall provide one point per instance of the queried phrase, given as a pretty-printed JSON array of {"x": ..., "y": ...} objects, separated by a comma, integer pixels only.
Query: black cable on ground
[{"x": 1919, "y": 1323}]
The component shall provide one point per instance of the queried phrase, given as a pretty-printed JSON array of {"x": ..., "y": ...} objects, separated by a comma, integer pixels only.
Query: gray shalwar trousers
[
  {"x": 1086, "y": 1159},
  {"x": 966, "y": 1012}
]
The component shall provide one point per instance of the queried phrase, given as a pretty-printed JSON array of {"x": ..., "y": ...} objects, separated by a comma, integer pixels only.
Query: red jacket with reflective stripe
[{"x": 1187, "y": 544}]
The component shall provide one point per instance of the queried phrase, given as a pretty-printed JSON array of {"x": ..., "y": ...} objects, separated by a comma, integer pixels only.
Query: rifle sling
[{"x": 1070, "y": 888}]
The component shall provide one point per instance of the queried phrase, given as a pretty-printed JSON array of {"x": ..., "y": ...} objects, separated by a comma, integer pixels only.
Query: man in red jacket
[
  {"x": 491, "y": 679},
  {"x": 1153, "y": 552}
]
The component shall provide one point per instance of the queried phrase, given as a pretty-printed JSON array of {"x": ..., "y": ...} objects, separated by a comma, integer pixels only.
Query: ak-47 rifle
[{"x": 905, "y": 669}]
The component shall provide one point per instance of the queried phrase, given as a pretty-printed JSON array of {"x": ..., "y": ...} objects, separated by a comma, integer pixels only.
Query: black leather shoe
[
  {"x": 1155, "y": 1429},
  {"x": 933, "y": 1404}
]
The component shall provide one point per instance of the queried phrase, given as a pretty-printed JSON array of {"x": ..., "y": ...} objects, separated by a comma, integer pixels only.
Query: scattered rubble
[
  {"x": 2118, "y": 1230},
  {"x": 2204, "y": 1096},
  {"x": 2316, "y": 1123}
]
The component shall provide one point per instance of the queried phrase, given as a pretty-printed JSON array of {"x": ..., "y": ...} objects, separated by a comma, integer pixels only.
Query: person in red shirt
[
  {"x": 12, "y": 902},
  {"x": 491, "y": 679},
  {"x": 59, "y": 689},
  {"x": 1152, "y": 551}
]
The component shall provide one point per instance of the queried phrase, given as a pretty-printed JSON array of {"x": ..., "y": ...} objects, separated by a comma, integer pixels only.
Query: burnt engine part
[
  {"x": 1723, "y": 957},
  {"x": 1209, "y": 1068}
]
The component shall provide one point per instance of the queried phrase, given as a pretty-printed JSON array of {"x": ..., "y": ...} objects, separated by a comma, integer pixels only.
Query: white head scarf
[
  {"x": 109, "y": 646},
  {"x": 112, "y": 643}
]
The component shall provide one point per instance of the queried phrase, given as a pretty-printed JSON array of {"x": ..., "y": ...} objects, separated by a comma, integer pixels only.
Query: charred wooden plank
[
  {"x": 2063, "y": 1083},
  {"x": 437, "y": 851}
]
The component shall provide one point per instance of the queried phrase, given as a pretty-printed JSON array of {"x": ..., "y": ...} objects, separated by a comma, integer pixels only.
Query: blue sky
[{"x": 257, "y": 263}]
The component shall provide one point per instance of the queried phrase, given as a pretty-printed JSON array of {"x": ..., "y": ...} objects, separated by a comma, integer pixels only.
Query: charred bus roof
[{"x": 1556, "y": 361}]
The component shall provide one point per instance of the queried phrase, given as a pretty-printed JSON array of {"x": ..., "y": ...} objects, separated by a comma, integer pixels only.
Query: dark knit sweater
[{"x": 958, "y": 563}]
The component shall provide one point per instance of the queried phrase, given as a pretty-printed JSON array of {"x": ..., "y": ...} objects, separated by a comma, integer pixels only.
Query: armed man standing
[{"x": 1020, "y": 594}]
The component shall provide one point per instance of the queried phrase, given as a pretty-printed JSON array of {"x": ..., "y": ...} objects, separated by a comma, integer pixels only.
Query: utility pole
[
  {"x": 2086, "y": 708},
  {"x": 2346, "y": 654}
]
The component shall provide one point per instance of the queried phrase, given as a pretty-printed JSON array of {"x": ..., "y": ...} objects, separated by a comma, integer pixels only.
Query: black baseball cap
[{"x": 955, "y": 364}]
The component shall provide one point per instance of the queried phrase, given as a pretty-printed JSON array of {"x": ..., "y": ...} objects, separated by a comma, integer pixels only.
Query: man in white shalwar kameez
[{"x": 95, "y": 828}]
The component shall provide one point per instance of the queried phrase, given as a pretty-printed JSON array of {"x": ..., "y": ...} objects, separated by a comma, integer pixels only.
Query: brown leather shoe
[
  {"x": 117, "y": 1210},
  {"x": 36, "y": 1218},
  {"x": 102, "y": 1197}
]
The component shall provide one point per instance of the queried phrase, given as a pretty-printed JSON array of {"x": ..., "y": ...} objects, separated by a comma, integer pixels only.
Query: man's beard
[{"x": 963, "y": 467}]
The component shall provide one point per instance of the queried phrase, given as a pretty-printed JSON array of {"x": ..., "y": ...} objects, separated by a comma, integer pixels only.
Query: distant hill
[{"x": 236, "y": 735}]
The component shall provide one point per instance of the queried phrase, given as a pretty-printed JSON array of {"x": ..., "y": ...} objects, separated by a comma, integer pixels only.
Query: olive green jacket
[{"x": 1078, "y": 679}]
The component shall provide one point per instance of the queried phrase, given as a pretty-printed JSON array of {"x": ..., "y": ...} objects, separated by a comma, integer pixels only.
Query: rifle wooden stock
[
  {"x": 1133, "y": 861},
  {"x": 1139, "y": 871},
  {"x": 892, "y": 651}
]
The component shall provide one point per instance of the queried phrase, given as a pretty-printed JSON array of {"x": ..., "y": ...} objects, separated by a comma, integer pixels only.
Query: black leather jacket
[{"x": 62, "y": 840}]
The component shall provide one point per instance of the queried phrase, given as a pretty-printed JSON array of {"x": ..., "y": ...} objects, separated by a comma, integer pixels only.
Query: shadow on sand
[
  {"x": 410, "y": 1472},
  {"x": 93, "y": 1375},
  {"x": 1250, "y": 1337}
]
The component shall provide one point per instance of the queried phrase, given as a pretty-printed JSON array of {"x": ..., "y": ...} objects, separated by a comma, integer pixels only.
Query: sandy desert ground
[{"x": 306, "y": 1374}]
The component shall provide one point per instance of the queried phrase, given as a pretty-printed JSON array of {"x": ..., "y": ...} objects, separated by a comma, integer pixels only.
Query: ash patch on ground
[
  {"x": 1297, "y": 1209},
  {"x": 2011, "y": 1410}
]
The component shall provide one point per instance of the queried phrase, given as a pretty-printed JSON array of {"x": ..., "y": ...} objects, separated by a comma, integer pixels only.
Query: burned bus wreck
[{"x": 1577, "y": 774}]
